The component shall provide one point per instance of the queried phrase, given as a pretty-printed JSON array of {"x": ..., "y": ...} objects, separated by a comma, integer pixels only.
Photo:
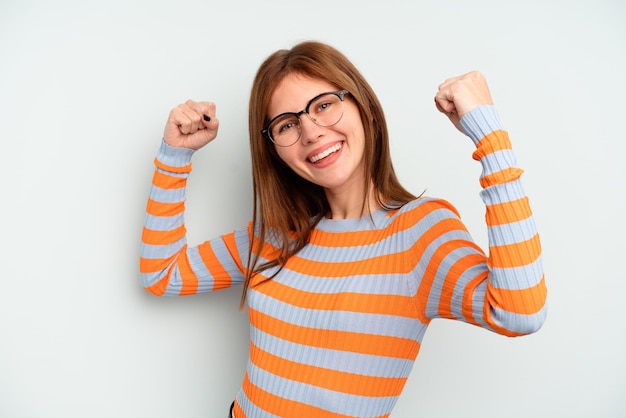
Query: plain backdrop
[{"x": 85, "y": 89}]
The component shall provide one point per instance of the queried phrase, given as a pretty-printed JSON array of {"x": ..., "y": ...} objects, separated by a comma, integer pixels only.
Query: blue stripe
[
  {"x": 344, "y": 361},
  {"x": 381, "y": 218},
  {"x": 226, "y": 260},
  {"x": 427, "y": 254},
  {"x": 520, "y": 323},
  {"x": 329, "y": 400},
  {"x": 148, "y": 279},
  {"x": 205, "y": 279},
  {"x": 336, "y": 320},
  {"x": 434, "y": 297},
  {"x": 512, "y": 233},
  {"x": 370, "y": 284},
  {"x": 251, "y": 409},
  {"x": 176, "y": 283},
  {"x": 518, "y": 278},
  {"x": 478, "y": 303},
  {"x": 167, "y": 195},
  {"x": 480, "y": 122},
  {"x": 161, "y": 251},
  {"x": 400, "y": 241},
  {"x": 497, "y": 161},
  {"x": 174, "y": 156},
  {"x": 163, "y": 223},
  {"x": 502, "y": 193},
  {"x": 459, "y": 292}
]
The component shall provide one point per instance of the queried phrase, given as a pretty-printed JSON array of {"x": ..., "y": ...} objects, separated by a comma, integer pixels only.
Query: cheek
[
  {"x": 286, "y": 156},
  {"x": 281, "y": 154},
  {"x": 359, "y": 137}
]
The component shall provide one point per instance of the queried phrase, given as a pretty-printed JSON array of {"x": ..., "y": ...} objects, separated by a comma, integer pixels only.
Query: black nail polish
[{"x": 206, "y": 118}]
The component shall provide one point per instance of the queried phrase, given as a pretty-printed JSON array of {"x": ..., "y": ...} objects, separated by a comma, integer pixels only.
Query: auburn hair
[{"x": 287, "y": 207}]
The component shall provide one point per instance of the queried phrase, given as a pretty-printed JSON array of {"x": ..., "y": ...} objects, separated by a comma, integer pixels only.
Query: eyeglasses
[{"x": 324, "y": 110}]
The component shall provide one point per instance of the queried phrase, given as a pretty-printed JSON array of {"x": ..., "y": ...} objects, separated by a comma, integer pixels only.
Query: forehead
[{"x": 294, "y": 92}]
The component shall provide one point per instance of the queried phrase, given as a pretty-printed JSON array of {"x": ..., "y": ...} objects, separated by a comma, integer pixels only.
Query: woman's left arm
[{"x": 514, "y": 297}]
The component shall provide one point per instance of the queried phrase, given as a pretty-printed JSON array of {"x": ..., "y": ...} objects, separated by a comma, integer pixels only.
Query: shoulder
[
  {"x": 426, "y": 206},
  {"x": 421, "y": 218}
]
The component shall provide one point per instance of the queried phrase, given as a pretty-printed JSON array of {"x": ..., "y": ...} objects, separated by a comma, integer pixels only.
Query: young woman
[{"x": 341, "y": 267}]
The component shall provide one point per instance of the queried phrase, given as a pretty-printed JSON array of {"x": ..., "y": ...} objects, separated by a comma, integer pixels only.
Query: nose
[{"x": 309, "y": 130}]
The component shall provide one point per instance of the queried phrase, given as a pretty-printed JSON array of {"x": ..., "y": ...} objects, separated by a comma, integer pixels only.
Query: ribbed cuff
[
  {"x": 480, "y": 122},
  {"x": 174, "y": 156}
]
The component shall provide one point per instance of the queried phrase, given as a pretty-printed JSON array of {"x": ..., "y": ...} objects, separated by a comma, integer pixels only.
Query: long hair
[{"x": 287, "y": 207}]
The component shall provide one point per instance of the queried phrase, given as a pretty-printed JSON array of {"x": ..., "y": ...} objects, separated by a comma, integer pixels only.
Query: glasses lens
[
  {"x": 285, "y": 130},
  {"x": 326, "y": 110}
]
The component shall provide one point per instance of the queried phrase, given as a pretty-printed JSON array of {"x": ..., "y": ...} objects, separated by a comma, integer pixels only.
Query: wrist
[
  {"x": 173, "y": 156},
  {"x": 480, "y": 122}
]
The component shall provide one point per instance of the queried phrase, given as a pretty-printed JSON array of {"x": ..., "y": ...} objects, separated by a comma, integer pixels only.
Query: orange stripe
[
  {"x": 455, "y": 272},
  {"x": 468, "y": 297},
  {"x": 515, "y": 255},
  {"x": 268, "y": 251},
  {"x": 519, "y": 301},
  {"x": 354, "y": 342},
  {"x": 344, "y": 239},
  {"x": 500, "y": 177},
  {"x": 221, "y": 278},
  {"x": 391, "y": 264},
  {"x": 335, "y": 380},
  {"x": 430, "y": 272},
  {"x": 497, "y": 140},
  {"x": 159, "y": 287},
  {"x": 404, "y": 221},
  {"x": 154, "y": 265},
  {"x": 231, "y": 245},
  {"x": 172, "y": 169},
  {"x": 282, "y": 407},
  {"x": 156, "y": 208},
  {"x": 152, "y": 237},
  {"x": 508, "y": 212},
  {"x": 400, "y": 263},
  {"x": 383, "y": 304},
  {"x": 187, "y": 275},
  {"x": 495, "y": 327},
  {"x": 166, "y": 181},
  {"x": 237, "y": 411}
]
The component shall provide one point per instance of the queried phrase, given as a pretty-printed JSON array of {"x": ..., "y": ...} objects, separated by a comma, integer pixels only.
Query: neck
[{"x": 349, "y": 205}]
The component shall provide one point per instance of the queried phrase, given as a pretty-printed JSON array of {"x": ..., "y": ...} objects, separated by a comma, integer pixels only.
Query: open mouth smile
[{"x": 331, "y": 150}]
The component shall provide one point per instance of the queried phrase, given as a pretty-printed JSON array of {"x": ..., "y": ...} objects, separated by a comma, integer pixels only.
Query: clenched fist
[
  {"x": 191, "y": 125},
  {"x": 459, "y": 95}
]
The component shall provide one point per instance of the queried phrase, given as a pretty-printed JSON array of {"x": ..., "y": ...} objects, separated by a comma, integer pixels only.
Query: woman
[{"x": 342, "y": 268}]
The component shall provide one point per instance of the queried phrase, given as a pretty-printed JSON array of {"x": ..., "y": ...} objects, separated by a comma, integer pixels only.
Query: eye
[
  {"x": 326, "y": 103},
  {"x": 284, "y": 125},
  {"x": 322, "y": 106}
]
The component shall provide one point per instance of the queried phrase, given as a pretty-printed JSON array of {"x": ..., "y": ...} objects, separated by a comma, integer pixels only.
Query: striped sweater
[{"x": 336, "y": 332}]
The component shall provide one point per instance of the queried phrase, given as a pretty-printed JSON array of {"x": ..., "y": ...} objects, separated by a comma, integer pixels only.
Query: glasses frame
[{"x": 267, "y": 134}]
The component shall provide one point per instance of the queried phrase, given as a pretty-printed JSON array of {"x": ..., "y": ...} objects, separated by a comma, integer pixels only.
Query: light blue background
[{"x": 85, "y": 89}]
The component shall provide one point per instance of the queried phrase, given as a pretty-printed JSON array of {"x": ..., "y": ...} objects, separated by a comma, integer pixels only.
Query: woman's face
[{"x": 331, "y": 157}]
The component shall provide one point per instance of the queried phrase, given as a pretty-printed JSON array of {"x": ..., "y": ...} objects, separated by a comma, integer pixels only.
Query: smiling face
[{"x": 331, "y": 157}]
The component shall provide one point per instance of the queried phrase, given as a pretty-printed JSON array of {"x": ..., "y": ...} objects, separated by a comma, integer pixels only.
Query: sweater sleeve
[
  {"x": 168, "y": 266},
  {"x": 505, "y": 290}
]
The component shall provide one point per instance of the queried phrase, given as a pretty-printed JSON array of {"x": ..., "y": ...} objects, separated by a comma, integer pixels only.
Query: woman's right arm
[{"x": 168, "y": 265}]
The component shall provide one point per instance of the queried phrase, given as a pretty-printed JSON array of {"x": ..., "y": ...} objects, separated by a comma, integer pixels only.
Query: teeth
[{"x": 325, "y": 153}]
